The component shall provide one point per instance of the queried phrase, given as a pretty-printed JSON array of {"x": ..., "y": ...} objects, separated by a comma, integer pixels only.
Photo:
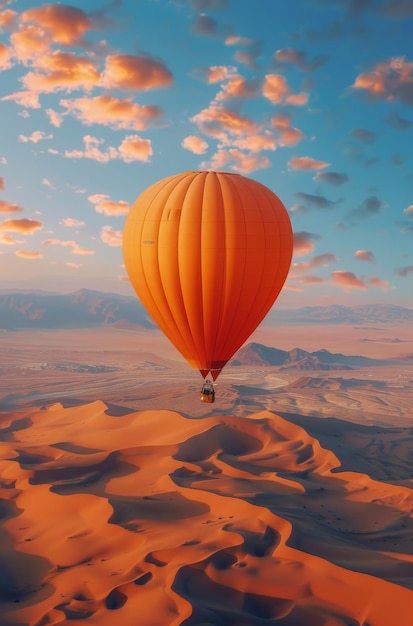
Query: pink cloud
[
  {"x": 62, "y": 71},
  {"x": 35, "y": 137},
  {"x": 320, "y": 260},
  {"x": 311, "y": 280},
  {"x": 347, "y": 280},
  {"x": 54, "y": 117},
  {"x": 388, "y": 80},
  {"x": 277, "y": 91},
  {"x": 26, "y": 226},
  {"x": 28, "y": 43},
  {"x": 194, "y": 144},
  {"x": 9, "y": 240},
  {"x": 111, "y": 237},
  {"x": 27, "y": 99},
  {"x": 24, "y": 254},
  {"x": 126, "y": 71},
  {"x": 379, "y": 282},
  {"x": 75, "y": 266},
  {"x": 7, "y": 18},
  {"x": 304, "y": 243},
  {"x": 238, "y": 87},
  {"x": 70, "y": 222},
  {"x": 5, "y": 62},
  {"x": 108, "y": 207},
  {"x": 289, "y": 136},
  {"x": 218, "y": 121},
  {"x": 256, "y": 143},
  {"x": 69, "y": 243},
  {"x": 408, "y": 210},
  {"x": 1, "y": 182},
  {"x": 307, "y": 163},
  {"x": 117, "y": 113},
  {"x": 7, "y": 207},
  {"x": 237, "y": 161},
  {"x": 64, "y": 24},
  {"x": 132, "y": 148},
  {"x": 218, "y": 73},
  {"x": 364, "y": 255}
]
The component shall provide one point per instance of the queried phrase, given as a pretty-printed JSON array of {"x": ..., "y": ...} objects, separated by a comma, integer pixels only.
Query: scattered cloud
[
  {"x": 24, "y": 254},
  {"x": 320, "y": 260},
  {"x": 132, "y": 148},
  {"x": 71, "y": 222},
  {"x": 315, "y": 200},
  {"x": 24, "y": 225},
  {"x": 364, "y": 255},
  {"x": 347, "y": 280},
  {"x": 104, "y": 205},
  {"x": 277, "y": 91},
  {"x": 194, "y": 144},
  {"x": 367, "y": 136},
  {"x": 117, "y": 113},
  {"x": 35, "y": 137},
  {"x": 409, "y": 210},
  {"x": 370, "y": 207},
  {"x": 7, "y": 207},
  {"x": 111, "y": 237},
  {"x": 331, "y": 178},
  {"x": 304, "y": 242},
  {"x": 404, "y": 271},
  {"x": 390, "y": 80},
  {"x": 307, "y": 163},
  {"x": 75, "y": 247},
  {"x": 298, "y": 58},
  {"x": 374, "y": 281},
  {"x": 136, "y": 73},
  {"x": 63, "y": 24},
  {"x": 288, "y": 135}
]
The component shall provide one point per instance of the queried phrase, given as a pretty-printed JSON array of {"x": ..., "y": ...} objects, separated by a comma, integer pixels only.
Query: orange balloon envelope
[{"x": 207, "y": 254}]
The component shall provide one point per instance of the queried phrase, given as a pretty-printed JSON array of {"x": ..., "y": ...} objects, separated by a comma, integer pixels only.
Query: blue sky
[{"x": 312, "y": 98}]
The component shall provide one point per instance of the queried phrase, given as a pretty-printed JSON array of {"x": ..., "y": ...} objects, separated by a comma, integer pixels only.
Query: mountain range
[{"x": 87, "y": 308}]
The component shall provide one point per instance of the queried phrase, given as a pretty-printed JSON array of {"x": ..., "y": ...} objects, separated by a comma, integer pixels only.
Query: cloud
[
  {"x": 370, "y": 207},
  {"x": 7, "y": 207},
  {"x": 132, "y": 148},
  {"x": 75, "y": 266},
  {"x": 108, "y": 207},
  {"x": 219, "y": 122},
  {"x": 75, "y": 247},
  {"x": 70, "y": 222},
  {"x": 54, "y": 118},
  {"x": 320, "y": 260},
  {"x": 27, "y": 99},
  {"x": 24, "y": 254},
  {"x": 137, "y": 73},
  {"x": 9, "y": 240},
  {"x": 307, "y": 163},
  {"x": 117, "y": 113},
  {"x": 59, "y": 71},
  {"x": 347, "y": 280},
  {"x": 311, "y": 280},
  {"x": 297, "y": 58},
  {"x": 64, "y": 25},
  {"x": 35, "y": 137},
  {"x": 396, "y": 121},
  {"x": 5, "y": 61},
  {"x": 319, "y": 202},
  {"x": 374, "y": 281},
  {"x": 216, "y": 73},
  {"x": 238, "y": 87},
  {"x": 364, "y": 135},
  {"x": 288, "y": 135},
  {"x": 111, "y": 237},
  {"x": 194, "y": 144},
  {"x": 277, "y": 91},
  {"x": 24, "y": 225},
  {"x": 390, "y": 80},
  {"x": 409, "y": 210},
  {"x": 205, "y": 25},
  {"x": 237, "y": 161},
  {"x": 331, "y": 178},
  {"x": 29, "y": 42},
  {"x": 7, "y": 18},
  {"x": 1, "y": 182},
  {"x": 404, "y": 271},
  {"x": 364, "y": 255},
  {"x": 304, "y": 243}
]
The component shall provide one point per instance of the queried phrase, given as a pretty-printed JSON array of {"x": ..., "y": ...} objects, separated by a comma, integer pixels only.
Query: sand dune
[{"x": 150, "y": 518}]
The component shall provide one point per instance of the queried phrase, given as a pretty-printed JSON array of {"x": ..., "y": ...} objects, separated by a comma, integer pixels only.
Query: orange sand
[{"x": 151, "y": 518}]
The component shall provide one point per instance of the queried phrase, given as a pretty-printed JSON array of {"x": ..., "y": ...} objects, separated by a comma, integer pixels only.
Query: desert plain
[{"x": 124, "y": 500}]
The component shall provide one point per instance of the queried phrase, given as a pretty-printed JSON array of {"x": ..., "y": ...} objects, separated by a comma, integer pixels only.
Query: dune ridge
[{"x": 151, "y": 518}]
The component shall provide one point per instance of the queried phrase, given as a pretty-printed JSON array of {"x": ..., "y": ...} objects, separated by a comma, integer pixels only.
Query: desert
[{"x": 125, "y": 499}]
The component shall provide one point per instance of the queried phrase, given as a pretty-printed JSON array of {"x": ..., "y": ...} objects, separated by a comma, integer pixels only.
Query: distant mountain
[
  {"x": 339, "y": 314},
  {"x": 87, "y": 308},
  {"x": 84, "y": 308},
  {"x": 256, "y": 354}
]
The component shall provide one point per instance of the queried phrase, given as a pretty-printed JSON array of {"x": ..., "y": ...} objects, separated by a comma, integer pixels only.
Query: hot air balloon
[{"x": 207, "y": 254}]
